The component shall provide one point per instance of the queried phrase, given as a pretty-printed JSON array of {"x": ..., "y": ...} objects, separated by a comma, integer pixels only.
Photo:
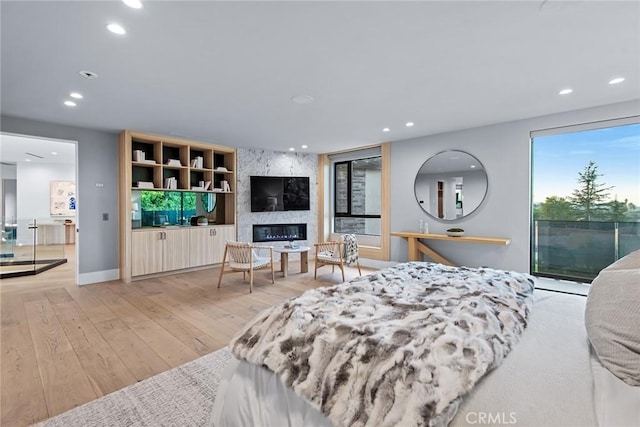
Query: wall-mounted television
[{"x": 279, "y": 193}]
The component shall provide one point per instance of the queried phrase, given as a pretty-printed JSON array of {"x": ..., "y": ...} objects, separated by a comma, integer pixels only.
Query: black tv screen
[{"x": 279, "y": 193}]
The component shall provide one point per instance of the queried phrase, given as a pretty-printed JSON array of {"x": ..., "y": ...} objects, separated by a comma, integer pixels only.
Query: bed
[{"x": 527, "y": 362}]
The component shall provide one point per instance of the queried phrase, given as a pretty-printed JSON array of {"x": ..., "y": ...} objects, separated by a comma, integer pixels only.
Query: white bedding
[{"x": 545, "y": 381}]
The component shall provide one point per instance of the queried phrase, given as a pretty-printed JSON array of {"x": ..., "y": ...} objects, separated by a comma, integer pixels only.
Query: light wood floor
[{"x": 64, "y": 345}]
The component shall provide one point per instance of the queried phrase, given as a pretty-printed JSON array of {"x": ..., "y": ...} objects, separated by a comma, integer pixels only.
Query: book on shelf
[
  {"x": 194, "y": 188},
  {"x": 138, "y": 155},
  {"x": 144, "y": 184},
  {"x": 173, "y": 162},
  {"x": 171, "y": 183},
  {"x": 207, "y": 185},
  {"x": 225, "y": 185},
  {"x": 197, "y": 162}
]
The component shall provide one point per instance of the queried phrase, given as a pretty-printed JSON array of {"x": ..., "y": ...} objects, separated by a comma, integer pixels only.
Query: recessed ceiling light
[
  {"x": 76, "y": 95},
  {"x": 616, "y": 80},
  {"x": 473, "y": 166},
  {"x": 54, "y": 153},
  {"x": 135, "y": 4},
  {"x": 304, "y": 146},
  {"x": 116, "y": 29},
  {"x": 27, "y": 160},
  {"x": 69, "y": 103},
  {"x": 409, "y": 124},
  {"x": 292, "y": 149},
  {"x": 565, "y": 91},
  {"x": 88, "y": 74},
  {"x": 386, "y": 129},
  {"x": 303, "y": 99}
]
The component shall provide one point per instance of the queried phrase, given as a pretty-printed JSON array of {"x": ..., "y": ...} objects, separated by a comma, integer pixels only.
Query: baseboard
[
  {"x": 98, "y": 276},
  {"x": 376, "y": 263}
]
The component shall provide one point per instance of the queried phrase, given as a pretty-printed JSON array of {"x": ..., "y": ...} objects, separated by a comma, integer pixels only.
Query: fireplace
[{"x": 279, "y": 232}]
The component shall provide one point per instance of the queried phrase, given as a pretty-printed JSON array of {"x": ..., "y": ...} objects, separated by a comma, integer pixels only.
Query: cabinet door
[
  {"x": 146, "y": 252},
  {"x": 201, "y": 246},
  {"x": 176, "y": 250},
  {"x": 223, "y": 233}
]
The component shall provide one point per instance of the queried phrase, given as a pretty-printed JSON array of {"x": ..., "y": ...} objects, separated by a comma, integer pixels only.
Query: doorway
[{"x": 39, "y": 206}]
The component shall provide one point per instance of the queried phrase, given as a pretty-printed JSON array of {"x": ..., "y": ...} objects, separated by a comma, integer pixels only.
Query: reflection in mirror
[
  {"x": 208, "y": 202},
  {"x": 451, "y": 185}
]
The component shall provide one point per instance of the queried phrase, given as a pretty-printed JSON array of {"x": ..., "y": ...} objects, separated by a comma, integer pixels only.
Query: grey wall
[
  {"x": 97, "y": 163},
  {"x": 273, "y": 163},
  {"x": 504, "y": 150}
]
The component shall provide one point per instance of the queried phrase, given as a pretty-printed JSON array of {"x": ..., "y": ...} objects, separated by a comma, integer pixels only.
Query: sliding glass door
[{"x": 585, "y": 198}]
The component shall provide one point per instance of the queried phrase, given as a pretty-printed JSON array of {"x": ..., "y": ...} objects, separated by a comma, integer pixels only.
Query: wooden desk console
[{"x": 417, "y": 248}]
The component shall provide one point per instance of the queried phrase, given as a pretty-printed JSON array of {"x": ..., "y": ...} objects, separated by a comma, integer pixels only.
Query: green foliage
[
  {"x": 588, "y": 199},
  {"x": 167, "y": 200},
  {"x": 555, "y": 208},
  {"x": 617, "y": 211},
  {"x": 587, "y": 203}
]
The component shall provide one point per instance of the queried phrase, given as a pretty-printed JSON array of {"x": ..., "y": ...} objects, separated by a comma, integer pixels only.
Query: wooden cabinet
[
  {"x": 160, "y": 163},
  {"x": 156, "y": 251},
  {"x": 201, "y": 246},
  {"x": 206, "y": 244},
  {"x": 224, "y": 234}
]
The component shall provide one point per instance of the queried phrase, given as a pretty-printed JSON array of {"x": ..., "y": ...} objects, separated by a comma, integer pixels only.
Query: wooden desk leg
[
  {"x": 284, "y": 263},
  {"x": 433, "y": 254},
  {"x": 414, "y": 253},
  {"x": 304, "y": 262}
]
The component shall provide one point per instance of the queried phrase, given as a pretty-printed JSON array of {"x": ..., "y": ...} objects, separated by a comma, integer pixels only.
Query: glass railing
[
  {"x": 31, "y": 245},
  {"x": 578, "y": 250}
]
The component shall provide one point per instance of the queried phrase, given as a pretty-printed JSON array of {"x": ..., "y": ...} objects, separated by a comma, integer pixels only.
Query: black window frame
[{"x": 348, "y": 214}]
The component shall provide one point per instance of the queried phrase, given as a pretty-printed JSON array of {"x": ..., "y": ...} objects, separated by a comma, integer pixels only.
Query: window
[
  {"x": 585, "y": 198},
  {"x": 357, "y": 198}
]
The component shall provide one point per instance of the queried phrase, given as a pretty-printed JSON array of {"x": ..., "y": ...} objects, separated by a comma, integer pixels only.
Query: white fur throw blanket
[{"x": 398, "y": 347}]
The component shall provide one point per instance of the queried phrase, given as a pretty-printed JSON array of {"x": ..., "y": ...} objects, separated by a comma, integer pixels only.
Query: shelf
[{"x": 416, "y": 248}]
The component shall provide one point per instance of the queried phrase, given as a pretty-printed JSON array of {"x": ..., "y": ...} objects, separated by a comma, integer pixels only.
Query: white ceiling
[
  {"x": 18, "y": 149},
  {"x": 225, "y": 72}
]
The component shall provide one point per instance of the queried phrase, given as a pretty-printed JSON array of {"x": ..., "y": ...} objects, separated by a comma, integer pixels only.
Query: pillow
[{"x": 612, "y": 318}]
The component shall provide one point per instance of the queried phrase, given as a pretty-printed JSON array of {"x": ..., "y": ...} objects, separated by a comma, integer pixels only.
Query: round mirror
[
  {"x": 451, "y": 185},
  {"x": 208, "y": 202}
]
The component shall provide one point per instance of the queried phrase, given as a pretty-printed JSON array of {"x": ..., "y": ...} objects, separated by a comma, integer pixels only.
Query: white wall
[
  {"x": 504, "y": 150},
  {"x": 33, "y": 194},
  {"x": 97, "y": 189},
  {"x": 8, "y": 204},
  {"x": 273, "y": 163}
]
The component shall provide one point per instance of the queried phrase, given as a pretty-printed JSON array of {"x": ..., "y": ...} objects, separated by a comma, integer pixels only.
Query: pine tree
[{"x": 589, "y": 198}]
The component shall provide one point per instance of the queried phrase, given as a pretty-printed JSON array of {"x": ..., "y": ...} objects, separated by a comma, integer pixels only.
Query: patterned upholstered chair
[
  {"x": 337, "y": 253},
  {"x": 246, "y": 258}
]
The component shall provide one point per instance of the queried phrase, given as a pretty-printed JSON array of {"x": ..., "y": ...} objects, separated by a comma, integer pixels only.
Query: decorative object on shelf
[
  {"x": 221, "y": 169},
  {"x": 173, "y": 162},
  {"x": 425, "y": 228},
  {"x": 225, "y": 186},
  {"x": 138, "y": 155},
  {"x": 197, "y": 162},
  {"x": 170, "y": 183},
  {"x": 455, "y": 232},
  {"x": 202, "y": 220},
  {"x": 144, "y": 184}
]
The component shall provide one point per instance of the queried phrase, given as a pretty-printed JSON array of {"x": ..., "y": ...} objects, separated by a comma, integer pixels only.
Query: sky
[{"x": 558, "y": 159}]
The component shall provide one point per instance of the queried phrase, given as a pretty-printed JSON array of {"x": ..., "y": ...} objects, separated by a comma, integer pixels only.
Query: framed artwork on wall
[{"x": 63, "y": 198}]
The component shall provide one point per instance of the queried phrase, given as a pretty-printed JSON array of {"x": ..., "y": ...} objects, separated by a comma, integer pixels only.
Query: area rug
[{"x": 182, "y": 396}]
